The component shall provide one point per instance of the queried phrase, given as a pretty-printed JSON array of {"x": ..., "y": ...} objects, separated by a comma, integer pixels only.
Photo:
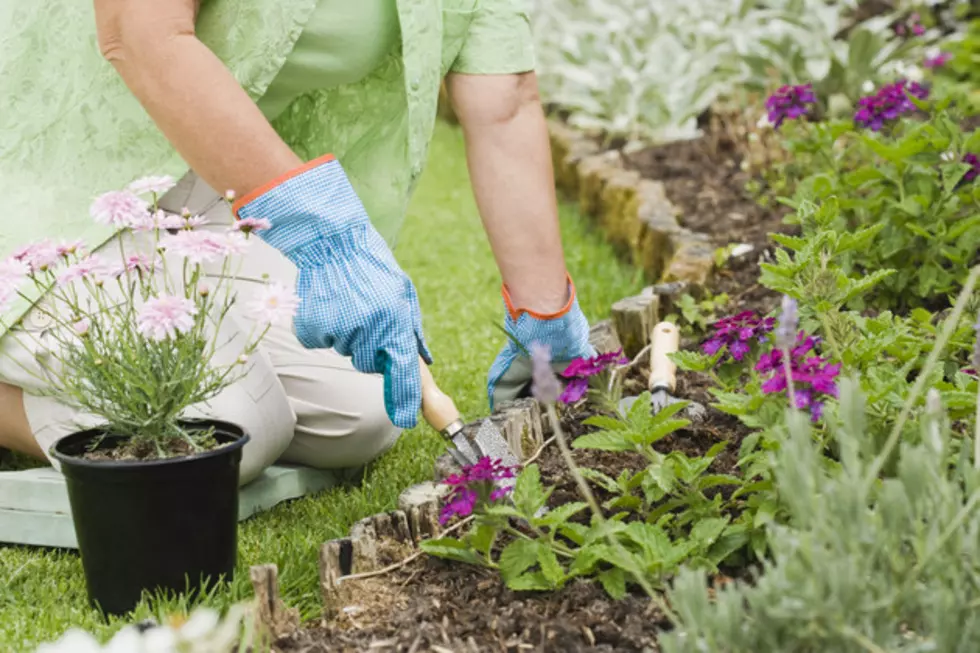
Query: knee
[{"x": 339, "y": 432}]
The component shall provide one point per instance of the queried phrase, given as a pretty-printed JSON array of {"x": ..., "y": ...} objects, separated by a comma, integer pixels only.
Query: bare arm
[
  {"x": 189, "y": 93},
  {"x": 509, "y": 158}
]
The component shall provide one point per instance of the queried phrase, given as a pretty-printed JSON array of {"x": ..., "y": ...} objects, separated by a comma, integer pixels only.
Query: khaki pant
[{"x": 298, "y": 405}]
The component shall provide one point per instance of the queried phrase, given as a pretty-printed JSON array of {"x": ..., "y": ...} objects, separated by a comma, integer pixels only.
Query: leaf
[
  {"x": 574, "y": 532},
  {"x": 604, "y": 441},
  {"x": 652, "y": 539},
  {"x": 452, "y": 549},
  {"x": 714, "y": 480},
  {"x": 534, "y": 581},
  {"x": 561, "y": 514},
  {"x": 693, "y": 361},
  {"x": 517, "y": 557},
  {"x": 482, "y": 537},
  {"x": 550, "y": 567},
  {"x": 614, "y": 582},
  {"x": 604, "y": 422},
  {"x": 707, "y": 531},
  {"x": 604, "y": 481},
  {"x": 529, "y": 495},
  {"x": 733, "y": 539}
]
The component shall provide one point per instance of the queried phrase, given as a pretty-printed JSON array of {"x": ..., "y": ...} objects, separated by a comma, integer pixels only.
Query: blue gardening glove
[
  {"x": 565, "y": 332},
  {"x": 354, "y": 297}
]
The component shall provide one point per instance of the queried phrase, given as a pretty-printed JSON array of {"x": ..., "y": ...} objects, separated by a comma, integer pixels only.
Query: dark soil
[
  {"x": 120, "y": 449},
  {"x": 704, "y": 180},
  {"x": 432, "y": 605}
]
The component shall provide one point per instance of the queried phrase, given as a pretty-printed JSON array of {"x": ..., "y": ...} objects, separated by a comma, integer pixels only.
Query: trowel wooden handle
[
  {"x": 665, "y": 339},
  {"x": 438, "y": 408}
]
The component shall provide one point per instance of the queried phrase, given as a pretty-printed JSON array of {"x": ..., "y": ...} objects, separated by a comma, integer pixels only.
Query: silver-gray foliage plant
[
  {"x": 646, "y": 70},
  {"x": 864, "y": 564}
]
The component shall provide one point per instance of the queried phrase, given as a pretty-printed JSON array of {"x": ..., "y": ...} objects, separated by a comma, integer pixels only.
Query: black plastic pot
[{"x": 153, "y": 525}]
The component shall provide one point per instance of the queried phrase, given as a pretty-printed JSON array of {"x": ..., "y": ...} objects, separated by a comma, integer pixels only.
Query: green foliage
[
  {"x": 889, "y": 565},
  {"x": 965, "y": 65},
  {"x": 693, "y": 316},
  {"x": 896, "y": 203},
  {"x": 657, "y": 518}
]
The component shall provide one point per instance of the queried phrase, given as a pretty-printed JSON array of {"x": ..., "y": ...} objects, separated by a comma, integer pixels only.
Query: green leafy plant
[
  {"x": 656, "y": 519},
  {"x": 693, "y": 315},
  {"x": 902, "y": 201}
]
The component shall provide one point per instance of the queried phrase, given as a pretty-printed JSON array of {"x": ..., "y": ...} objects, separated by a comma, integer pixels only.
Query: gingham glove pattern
[
  {"x": 565, "y": 332},
  {"x": 354, "y": 297}
]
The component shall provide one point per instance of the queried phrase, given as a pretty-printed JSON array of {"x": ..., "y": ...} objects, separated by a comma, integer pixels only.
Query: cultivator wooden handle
[
  {"x": 664, "y": 339},
  {"x": 438, "y": 408}
]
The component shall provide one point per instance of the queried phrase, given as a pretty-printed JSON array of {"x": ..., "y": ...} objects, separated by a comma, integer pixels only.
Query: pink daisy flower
[
  {"x": 139, "y": 263},
  {"x": 274, "y": 304},
  {"x": 248, "y": 225},
  {"x": 157, "y": 221},
  {"x": 166, "y": 316},
  {"x": 66, "y": 249},
  {"x": 119, "y": 208},
  {"x": 82, "y": 326},
  {"x": 39, "y": 257},
  {"x": 13, "y": 272},
  {"x": 200, "y": 246},
  {"x": 194, "y": 221},
  {"x": 94, "y": 268},
  {"x": 152, "y": 185}
]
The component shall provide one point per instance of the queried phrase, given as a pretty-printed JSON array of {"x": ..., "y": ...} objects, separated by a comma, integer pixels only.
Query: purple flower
[
  {"x": 913, "y": 23},
  {"x": 974, "y": 171},
  {"x": 813, "y": 377},
  {"x": 474, "y": 487},
  {"x": 580, "y": 370},
  {"x": 890, "y": 102},
  {"x": 938, "y": 60},
  {"x": 460, "y": 503},
  {"x": 790, "y": 102},
  {"x": 736, "y": 334}
]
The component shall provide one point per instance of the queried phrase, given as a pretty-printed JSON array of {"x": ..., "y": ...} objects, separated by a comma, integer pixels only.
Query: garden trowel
[
  {"x": 664, "y": 340},
  {"x": 440, "y": 412}
]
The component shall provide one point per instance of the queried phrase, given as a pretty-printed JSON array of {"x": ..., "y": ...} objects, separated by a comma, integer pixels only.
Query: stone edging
[{"x": 633, "y": 212}]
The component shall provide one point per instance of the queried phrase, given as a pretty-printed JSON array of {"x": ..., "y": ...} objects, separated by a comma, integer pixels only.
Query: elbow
[
  {"x": 132, "y": 38},
  {"x": 482, "y": 101}
]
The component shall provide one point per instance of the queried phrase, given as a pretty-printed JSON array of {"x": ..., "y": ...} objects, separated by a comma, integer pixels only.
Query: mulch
[
  {"x": 704, "y": 180},
  {"x": 434, "y": 605}
]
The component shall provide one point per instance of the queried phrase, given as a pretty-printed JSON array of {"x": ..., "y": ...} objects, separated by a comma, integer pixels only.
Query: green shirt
[{"x": 70, "y": 129}]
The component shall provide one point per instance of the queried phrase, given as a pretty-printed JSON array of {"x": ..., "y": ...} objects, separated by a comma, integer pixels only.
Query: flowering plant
[
  {"x": 581, "y": 370},
  {"x": 140, "y": 331}
]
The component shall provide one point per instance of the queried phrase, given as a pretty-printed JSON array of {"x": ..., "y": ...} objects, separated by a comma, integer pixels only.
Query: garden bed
[{"x": 431, "y": 603}]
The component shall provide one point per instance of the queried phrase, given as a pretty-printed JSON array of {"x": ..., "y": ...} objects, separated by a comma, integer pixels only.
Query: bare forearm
[
  {"x": 509, "y": 158},
  {"x": 192, "y": 97}
]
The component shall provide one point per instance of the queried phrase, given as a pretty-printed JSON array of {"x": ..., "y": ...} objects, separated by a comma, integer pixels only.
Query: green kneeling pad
[{"x": 34, "y": 507}]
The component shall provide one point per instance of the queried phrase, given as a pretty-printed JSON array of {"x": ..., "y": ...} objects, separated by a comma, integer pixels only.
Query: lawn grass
[{"x": 444, "y": 250}]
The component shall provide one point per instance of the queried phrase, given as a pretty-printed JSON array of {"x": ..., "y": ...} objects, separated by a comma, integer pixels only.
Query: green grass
[{"x": 444, "y": 250}]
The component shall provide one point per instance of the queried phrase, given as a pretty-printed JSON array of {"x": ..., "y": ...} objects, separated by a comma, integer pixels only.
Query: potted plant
[{"x": 153, "y": 493}]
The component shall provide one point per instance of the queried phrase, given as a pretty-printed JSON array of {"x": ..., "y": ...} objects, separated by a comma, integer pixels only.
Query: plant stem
[
  {"x": 788, "y": 369},
  {"x": 976, "y": 431},
  {"x": 586, "y": 493}
]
